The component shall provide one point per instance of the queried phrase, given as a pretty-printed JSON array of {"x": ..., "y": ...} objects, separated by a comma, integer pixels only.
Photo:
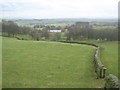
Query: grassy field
[
  {"x": 48, "y": 65},
  {"x": 28, "y": 37},
  {"x": 104, "y": 27},
  {"x": 109, "y": 57}
]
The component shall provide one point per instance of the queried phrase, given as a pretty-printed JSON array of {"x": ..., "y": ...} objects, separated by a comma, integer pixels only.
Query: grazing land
[
  {"x": 109, "y": 56},
  {"x": 36, "y": 61},
  {"x": 104, "y": 27},
  {"x": 41, "y": 64}
]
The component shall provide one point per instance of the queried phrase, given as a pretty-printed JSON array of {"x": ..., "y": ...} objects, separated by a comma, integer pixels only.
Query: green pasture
[
  {"x": 39, "y": 29},
  {"x": 109, "y": 56},
  {"x": 28, "y": 37},
  {"x": 40, "y": 64},
  {"x": 104, "y": 27}
]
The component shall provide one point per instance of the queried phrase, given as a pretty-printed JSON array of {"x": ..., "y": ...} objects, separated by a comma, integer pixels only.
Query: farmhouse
[{"x": 54, "y": 30}]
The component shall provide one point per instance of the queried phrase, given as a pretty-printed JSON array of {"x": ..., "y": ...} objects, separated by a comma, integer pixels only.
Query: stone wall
[
  {"x": 99, "y": 67},
  {"x": 111, "y": 81}
]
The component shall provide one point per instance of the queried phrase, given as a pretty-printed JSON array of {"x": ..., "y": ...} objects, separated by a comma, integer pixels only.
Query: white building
[{"x": 55, "y": 30}]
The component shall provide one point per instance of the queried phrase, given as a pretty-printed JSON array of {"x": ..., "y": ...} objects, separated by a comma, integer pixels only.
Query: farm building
[
  {"x": 82, "y": 23},
  {"x": 55, "y": 30}
]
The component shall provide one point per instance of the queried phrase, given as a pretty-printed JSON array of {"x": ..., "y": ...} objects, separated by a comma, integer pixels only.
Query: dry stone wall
[
  {"x": 111, "y": 81},
  {"x": 99, "y": 67}
]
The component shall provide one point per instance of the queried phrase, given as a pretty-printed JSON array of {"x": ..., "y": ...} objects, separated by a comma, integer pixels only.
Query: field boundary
[
  {"x": 99, "y": 67},
  {"x": 111, "y": 81}
]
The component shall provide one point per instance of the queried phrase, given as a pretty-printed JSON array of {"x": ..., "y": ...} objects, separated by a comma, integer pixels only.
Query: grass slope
[
  {"x": 109, "y": 57},
  {"x": 32, "y": 64}
]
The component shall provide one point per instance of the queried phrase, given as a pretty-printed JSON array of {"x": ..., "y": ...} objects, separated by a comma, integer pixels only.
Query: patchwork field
[{"x": 40, "y": 64}]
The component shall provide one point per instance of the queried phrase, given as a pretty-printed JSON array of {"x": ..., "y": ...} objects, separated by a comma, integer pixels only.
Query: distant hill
[{"x": 32, "y": 22}]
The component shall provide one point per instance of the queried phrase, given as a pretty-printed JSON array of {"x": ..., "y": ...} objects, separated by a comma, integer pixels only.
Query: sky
[{"x": 42, "y": 9}]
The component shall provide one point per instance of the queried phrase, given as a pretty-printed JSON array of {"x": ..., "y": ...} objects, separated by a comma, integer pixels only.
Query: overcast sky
[{"x": 38, "y": 9}]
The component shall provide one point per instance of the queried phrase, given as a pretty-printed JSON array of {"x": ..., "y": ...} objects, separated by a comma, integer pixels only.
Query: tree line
[
  {"x": 11, "y": 29},
  {"x": 75, "y": 32}
]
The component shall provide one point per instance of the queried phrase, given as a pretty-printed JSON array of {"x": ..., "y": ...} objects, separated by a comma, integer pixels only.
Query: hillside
[{"x": 40, "y": 64}]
